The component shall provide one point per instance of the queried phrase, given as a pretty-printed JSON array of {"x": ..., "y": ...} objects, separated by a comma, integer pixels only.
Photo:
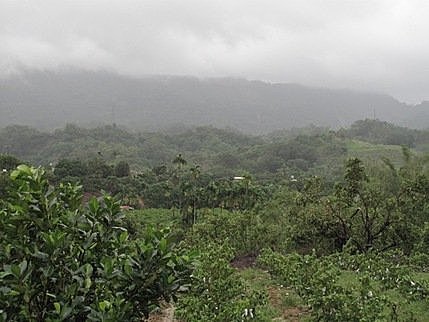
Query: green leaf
[
  {"x": 65, "y": 312},
  {"x": 40, "y": 255},
  {"x": 94, "y": 205},
  {"x": 22, "y": 266},
  {"x": 163, "y": 245},
  {"x": 123, "y": 237},
  {"x": 4, "y": 274},
  {"x": 88, "y": 283},
  {"x": 21, "y": 170},
  {"x": 16, "y": 270},
  {"x": 103, "y": 305},
  {"x": 57, "y": 307}
]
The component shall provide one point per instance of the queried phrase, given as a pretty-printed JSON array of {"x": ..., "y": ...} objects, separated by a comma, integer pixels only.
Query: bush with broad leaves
[{"x": 62, "y": 261}]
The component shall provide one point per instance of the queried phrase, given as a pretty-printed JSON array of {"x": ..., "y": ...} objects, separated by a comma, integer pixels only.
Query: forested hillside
[
  {"x": 214, "y": 161},
  {"x": 175, "y": 238},
  {"x": 223, "y": 152},
  {"x": 304, "y": 224},
  {"x": 48, "y": 100}
]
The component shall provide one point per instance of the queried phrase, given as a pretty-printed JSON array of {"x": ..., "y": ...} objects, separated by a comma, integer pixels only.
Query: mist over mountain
[{"x": 49, "y": 100}]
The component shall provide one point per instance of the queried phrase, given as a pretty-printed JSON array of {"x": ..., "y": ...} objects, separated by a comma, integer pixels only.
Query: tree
[
  {"x": 70, "y": 168},
  {"x": 8, "y": 162},
  {"x": 97, "y": 167},
  {"x": 179, "y": 161},
  {"x": 369, "y": 210},
  {"x": 366, "y": 211},
  {"x": 122, "y": 169}
]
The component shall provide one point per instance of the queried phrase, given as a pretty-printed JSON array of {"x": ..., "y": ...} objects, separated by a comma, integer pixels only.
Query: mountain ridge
[{"x": 49, "y": 100}]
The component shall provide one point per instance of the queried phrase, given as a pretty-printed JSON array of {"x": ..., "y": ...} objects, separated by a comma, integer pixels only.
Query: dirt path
[
  {"x": 165, "y": 314},
  {"x": 290, "y": 314},
  {"x": 244, "y": 261},
  {"x": 288, "y": 309}
]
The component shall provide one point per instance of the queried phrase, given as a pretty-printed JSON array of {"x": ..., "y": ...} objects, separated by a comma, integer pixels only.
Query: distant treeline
[{"x": 223, "y": 152}]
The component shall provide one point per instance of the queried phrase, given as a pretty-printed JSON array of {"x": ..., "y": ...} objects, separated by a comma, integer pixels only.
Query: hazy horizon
[
  {"x": 22, "y": 72},
  {"x": 376, "y": 46}
]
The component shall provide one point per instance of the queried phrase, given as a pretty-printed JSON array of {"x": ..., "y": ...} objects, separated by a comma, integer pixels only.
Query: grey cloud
[{"x": 374, "y": 45}]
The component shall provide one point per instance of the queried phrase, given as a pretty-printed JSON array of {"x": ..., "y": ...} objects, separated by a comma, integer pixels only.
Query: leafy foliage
[
  {"x": 62, "y": 262},
  {"x": 316, "y": 280},
  {"x": 376, "y": 209},
  {"x": 217, "y": 292},
  {"x": 379, "y": 132}
]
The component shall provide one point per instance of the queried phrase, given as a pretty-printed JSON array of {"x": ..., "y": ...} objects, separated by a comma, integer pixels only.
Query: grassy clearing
[
  {"x": 163, "y": 218},
  {"x": 283, "y": 303},
  {"x": 369, "y": 151},
  {"x": 419, "y": 309},
  {"x": 156, "y": 217}
]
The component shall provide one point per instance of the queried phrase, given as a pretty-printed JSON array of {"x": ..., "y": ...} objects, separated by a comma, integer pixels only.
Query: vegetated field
[
  {"x": 314, "y": 227},
  {"x": 285, "y": 305},
  {"x": 283, "y": 301},
  {"x": 370, "y": 151}
]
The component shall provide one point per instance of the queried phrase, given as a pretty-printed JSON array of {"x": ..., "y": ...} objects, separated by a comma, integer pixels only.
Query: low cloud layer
[{"x": 367, "y": 45}]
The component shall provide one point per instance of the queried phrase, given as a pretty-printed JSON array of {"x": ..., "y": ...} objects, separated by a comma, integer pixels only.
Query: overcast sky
[{"x": 368, "y": 45}]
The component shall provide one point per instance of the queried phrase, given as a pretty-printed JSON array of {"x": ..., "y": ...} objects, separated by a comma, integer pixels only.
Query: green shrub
[
  {"x": 218, "y": 293},
  {"x": 316, "y": 281},
  {"x": 60, "y": 261}
]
